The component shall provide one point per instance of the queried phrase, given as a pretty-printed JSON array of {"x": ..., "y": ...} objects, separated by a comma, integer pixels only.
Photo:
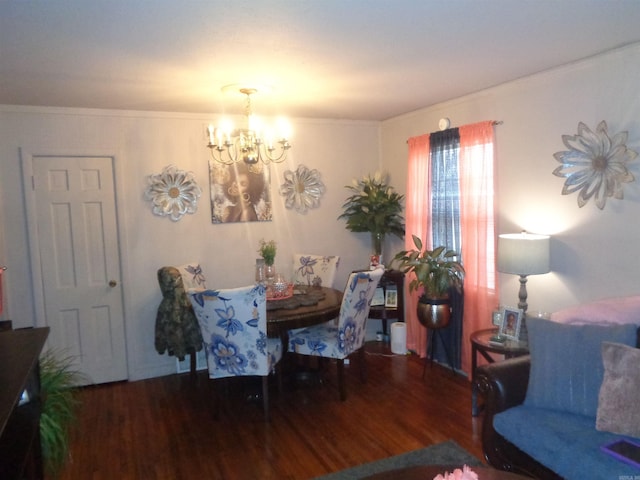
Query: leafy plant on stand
[{"x": 436, "y": 270}]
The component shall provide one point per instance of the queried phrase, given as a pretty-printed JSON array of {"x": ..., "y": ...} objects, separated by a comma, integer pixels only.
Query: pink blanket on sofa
[{"x": 619, "y": 310}]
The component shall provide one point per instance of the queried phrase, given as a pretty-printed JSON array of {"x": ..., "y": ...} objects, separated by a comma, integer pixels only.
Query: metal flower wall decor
[
  {"x": 595, "y": 164},
  {"x": 302, "y": 189},
  {"x": 173, "y": 193}
]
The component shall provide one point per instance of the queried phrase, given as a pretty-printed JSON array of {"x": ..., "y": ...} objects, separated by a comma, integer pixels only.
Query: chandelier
[{"x": 252, "y": 144}]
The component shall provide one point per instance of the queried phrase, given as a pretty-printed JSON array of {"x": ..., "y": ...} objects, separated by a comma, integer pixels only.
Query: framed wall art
[
  {"x": 240, "y": 192},
  {"x": 302, "y": 189},
  {"x": 173, "y": 193}
]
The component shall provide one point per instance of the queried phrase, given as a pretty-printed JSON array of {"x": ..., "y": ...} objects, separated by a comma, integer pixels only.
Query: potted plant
[
  {"x": 437, "y": 272},
  {"x": 374, "y": 207},
  {"x": 267, "y": 251},
  {"x": 58, "y": 390}
]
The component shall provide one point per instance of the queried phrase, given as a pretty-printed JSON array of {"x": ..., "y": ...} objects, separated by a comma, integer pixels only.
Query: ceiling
[{"x": 346, "y": 59}]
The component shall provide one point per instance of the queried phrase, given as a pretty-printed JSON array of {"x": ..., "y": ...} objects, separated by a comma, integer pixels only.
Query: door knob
[{"x": 112, "y": 283}]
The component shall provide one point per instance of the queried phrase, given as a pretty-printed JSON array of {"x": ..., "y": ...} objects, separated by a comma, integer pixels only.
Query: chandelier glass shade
[{"x": 252, "y": 144}]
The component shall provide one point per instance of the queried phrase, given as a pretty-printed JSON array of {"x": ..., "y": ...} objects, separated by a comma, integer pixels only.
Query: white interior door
[{"x": 77, "y": 239}]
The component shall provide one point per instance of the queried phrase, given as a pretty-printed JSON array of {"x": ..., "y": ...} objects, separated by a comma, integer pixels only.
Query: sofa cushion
[
  {"x": 566, "y": 443},
  {"x": 566, "y": 363},
  {"x": 618, "y": 410}
]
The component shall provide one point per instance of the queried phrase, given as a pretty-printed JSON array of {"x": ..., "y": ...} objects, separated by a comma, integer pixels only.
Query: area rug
[{"x": 446, "y": 453}]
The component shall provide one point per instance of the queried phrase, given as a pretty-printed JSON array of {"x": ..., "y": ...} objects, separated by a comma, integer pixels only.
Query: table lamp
[{"x": 523, "y": 254}]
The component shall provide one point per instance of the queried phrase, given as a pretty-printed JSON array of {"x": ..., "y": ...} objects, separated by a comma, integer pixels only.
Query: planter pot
[{"x": 434, "y": 313}]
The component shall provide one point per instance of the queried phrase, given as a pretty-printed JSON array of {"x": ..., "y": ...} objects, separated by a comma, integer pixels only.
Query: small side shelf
[{"x": 392, "y": 279}]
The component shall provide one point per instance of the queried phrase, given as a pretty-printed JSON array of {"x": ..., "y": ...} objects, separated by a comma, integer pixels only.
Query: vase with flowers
[
  {"x": 374, "y": 207},
  {"x": 267, "y": 251}
]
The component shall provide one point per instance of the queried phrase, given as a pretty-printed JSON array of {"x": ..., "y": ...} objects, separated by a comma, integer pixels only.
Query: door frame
[{"x": 26, "y": 162}]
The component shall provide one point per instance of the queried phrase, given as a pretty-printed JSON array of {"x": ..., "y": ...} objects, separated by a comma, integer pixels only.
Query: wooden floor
[{"x": 165, "y": 428}]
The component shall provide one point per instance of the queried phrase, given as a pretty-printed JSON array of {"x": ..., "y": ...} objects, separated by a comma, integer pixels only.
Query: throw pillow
[
  {"x": 618, "y": 410},
  {"x": 566, "y": 363}
]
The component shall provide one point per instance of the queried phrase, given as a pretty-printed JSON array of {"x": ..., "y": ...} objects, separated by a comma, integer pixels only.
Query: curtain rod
[{"x": 495, "y": 122}]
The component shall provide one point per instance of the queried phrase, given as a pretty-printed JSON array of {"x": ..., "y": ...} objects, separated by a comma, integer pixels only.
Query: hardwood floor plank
[{"x": 166, "y": 428}]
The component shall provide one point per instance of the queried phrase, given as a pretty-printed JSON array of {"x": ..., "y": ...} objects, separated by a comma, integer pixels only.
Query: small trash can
[{"x": 399, "y": 338}]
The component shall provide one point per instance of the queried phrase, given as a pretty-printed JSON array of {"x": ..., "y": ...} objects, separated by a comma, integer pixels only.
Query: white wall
[
  {"x": 144, "y": 143},
  {"x": 594, "y": 253}
]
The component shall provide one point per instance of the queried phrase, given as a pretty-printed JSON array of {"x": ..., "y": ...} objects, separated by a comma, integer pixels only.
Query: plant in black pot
[{"x": 437, "y": 271}]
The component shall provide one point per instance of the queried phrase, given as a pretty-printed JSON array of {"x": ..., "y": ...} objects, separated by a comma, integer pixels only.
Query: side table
[
  {"x": 480, "y": 344},
  {"x": 390, "y": 279}
]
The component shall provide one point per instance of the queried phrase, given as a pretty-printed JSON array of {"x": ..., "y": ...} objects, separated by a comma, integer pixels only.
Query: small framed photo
[
  {"x": 391, "y": 298},
  {"x": 511, "y": 321},
  {"x": 496, "y": 318},
  {"x": 378, "y": 297}
]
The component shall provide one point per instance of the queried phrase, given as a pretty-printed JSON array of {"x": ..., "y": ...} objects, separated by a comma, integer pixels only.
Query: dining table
[{"x": 308, "y": 305}]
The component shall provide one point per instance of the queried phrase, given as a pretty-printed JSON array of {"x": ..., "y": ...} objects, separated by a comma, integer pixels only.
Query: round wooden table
[
  {"x": 281, "y": 320},
  {"x": 428, "y": 472},
  {"x": 480, "y": 344}
]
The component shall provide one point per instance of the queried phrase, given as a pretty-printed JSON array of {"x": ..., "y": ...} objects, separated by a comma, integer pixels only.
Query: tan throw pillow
[{"x": 618, "y": 407}]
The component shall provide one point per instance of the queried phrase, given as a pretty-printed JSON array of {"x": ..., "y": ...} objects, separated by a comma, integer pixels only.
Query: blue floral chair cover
[
  {"x": 341, "y": 337},
  {"x": 192, "y": 276},
  {"x": 233, "y": 323},
  {"x": 316, "y": 270}
]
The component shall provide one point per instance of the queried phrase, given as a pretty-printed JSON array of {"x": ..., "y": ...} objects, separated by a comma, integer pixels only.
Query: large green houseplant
[
  {"x": 437, "y": 271},
  {"x": 58, "y": 391},
  {"x": 374, "y": 207}
]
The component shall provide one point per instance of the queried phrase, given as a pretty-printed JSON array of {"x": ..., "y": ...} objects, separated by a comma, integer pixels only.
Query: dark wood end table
[{"x": 480, "y": 344}]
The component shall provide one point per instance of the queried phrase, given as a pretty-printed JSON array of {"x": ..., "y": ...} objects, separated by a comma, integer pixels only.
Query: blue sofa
[{"x": 541, "y": 410}]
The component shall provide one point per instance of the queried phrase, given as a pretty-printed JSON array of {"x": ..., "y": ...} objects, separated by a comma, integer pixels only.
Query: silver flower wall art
[
  {"x": 173, "y": 193},
  {"x": 302, "y": 189},
  {"x": 595, "y": 164}
]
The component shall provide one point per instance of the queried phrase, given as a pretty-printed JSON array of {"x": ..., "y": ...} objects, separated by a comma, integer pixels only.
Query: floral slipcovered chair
[
  {"x": 234, "y": 328},
  {"x": 341, "y": 337},
  {"x": 177, "y": 331},
  {"x": 316, "y": 270}
]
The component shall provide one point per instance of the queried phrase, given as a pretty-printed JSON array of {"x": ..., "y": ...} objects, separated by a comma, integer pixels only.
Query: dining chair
[
  {"x": 316, "y": 270},
  {"x": 341, "y": 337},
  {"x": 192, "y": 276},
  {"x": 234, "y": 330},
  {"x": 176, "y": 329}
]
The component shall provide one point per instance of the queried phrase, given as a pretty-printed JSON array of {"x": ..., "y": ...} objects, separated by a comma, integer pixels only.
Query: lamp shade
[{"x": 523, "y": 253}]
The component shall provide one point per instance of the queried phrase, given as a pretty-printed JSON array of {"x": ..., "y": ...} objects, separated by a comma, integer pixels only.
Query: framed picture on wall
[
  {"x": 511, "y": 322},
  {"x": 240, "y": 193}
]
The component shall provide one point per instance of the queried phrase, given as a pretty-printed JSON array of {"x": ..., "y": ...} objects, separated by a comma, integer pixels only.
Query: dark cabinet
[
  {"x": 20, "y": 406},
  {"x": 392, "y": 280}
]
